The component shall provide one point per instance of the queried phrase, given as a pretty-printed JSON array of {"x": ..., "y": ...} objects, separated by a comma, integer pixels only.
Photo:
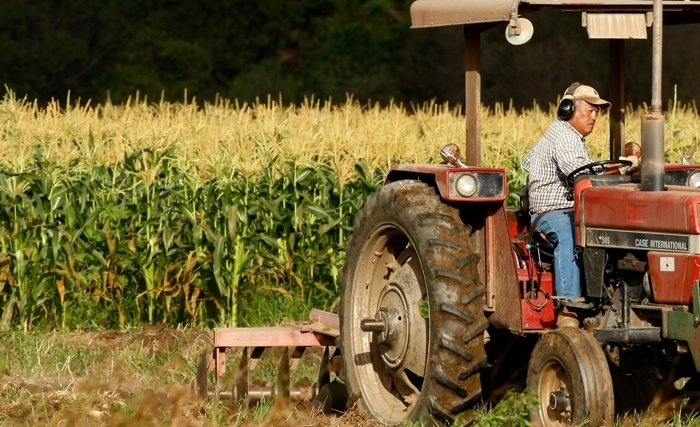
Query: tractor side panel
[
  {"x": 673, "y": 276},
  {"x": 503, "y": 294}
]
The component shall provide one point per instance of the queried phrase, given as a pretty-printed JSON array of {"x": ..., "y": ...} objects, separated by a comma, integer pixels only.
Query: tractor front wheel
[{"x": 570, "y": 375}]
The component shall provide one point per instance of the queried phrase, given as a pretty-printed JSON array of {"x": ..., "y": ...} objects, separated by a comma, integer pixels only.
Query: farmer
[{"x": 561, "y": 150}]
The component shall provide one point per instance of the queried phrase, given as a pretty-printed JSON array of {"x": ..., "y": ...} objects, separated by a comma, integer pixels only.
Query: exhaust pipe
[{"x": 653, "y": 122}]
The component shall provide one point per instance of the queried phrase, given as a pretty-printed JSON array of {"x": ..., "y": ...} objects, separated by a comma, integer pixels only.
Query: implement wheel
[
  {"x": 570, "y": 376},
  {"x": 411, "y": 317}
]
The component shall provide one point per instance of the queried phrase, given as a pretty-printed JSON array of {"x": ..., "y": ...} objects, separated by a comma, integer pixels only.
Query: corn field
[{"x": 216, "y": 214}]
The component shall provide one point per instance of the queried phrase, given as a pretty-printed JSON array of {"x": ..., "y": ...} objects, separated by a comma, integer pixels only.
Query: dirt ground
[{"x": 143, "y": 376}]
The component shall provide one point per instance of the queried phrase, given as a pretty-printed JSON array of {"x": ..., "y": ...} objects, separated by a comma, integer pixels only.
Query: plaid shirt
[{"x": 560, "y": 150}]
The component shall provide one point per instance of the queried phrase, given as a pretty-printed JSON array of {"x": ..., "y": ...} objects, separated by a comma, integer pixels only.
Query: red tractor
[{"x": 446, "y": 293}]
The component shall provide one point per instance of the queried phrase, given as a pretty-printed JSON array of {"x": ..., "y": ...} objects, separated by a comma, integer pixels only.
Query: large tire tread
[{"x": 456, "y": 352}]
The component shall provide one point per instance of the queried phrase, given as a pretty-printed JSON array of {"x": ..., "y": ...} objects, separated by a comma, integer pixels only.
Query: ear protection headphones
[{"x": 568, "y": 103}]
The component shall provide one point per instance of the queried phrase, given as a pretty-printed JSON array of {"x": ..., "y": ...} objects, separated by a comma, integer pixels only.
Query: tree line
[{"x": 102, "y": 50}]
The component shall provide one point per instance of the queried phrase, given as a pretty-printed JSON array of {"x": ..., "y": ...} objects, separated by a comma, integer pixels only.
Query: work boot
[
  {"x": 567, "y": 318},
  {"x": 576, "y": 302}
]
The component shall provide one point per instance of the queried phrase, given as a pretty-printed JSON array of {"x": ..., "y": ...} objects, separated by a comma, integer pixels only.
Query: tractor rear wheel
[
  {"x": 570, "y": 375},
  {"x": 411, "y": 317}
]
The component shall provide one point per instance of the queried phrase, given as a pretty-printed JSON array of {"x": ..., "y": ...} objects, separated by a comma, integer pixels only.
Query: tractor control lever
[{"x": 450, "y": 154}]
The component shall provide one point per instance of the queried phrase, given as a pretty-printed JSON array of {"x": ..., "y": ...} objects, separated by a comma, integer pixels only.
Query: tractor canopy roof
[
  {"x": 436, "y": 13},
  {"x": 615, "y": 21}
]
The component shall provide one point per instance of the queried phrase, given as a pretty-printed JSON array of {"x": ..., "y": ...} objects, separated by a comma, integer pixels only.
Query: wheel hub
[
  {"x": 391, "y": 325},
  {"x": 559, "y": 402}
]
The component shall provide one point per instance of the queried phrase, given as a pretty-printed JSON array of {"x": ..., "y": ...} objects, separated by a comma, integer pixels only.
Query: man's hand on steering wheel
[{"x": 597, "y": 168}]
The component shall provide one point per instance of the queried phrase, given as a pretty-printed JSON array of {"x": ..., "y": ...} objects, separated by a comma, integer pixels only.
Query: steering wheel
[{"x": 595, "y": 168}]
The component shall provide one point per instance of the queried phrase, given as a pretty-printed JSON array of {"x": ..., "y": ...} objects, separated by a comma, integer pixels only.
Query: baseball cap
[{"x": 590, "y": 95}]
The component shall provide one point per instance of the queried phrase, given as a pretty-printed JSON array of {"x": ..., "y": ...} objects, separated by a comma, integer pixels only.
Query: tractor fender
[{"x": 489, "y": 184}]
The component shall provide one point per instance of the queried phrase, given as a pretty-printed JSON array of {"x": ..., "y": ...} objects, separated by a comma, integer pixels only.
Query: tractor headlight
[
  {"x": 466, "y": 185},
  {"x": 694, "y": 180},
  {"x": 475, "y": 185}
]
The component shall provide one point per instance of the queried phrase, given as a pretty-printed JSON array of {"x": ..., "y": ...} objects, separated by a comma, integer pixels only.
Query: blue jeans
[{"x": 558, "y": 226}]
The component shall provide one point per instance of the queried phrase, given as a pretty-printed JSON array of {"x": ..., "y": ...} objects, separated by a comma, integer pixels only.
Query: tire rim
[{"x": 392, "y": 336}]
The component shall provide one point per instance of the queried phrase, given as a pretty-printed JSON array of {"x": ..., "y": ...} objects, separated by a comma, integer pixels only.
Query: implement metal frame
[{"x": 321, "y": 331}]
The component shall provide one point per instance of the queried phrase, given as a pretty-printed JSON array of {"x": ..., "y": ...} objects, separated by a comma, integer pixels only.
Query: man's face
[{"x": 584, "y": 117}]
